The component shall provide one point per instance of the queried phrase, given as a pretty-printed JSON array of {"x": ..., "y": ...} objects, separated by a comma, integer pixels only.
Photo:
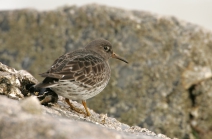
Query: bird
[{"x": 81, "y": 74}]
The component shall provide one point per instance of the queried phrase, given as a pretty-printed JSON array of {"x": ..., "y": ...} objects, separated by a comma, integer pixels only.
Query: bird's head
[{"x": 104, "y": 48}]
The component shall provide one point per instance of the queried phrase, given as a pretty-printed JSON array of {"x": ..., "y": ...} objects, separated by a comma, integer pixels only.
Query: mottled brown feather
[{"x": 80, "y": 66}]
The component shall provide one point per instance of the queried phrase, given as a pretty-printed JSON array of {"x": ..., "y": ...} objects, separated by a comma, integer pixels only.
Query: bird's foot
[{"x": 87, "y": 113}]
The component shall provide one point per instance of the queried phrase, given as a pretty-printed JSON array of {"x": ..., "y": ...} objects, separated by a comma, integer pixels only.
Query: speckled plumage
[{"x": 81, "y": 74}]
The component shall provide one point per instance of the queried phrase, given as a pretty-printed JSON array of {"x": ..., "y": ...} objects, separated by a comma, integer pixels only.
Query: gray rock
[
  {"x": 13, "y": 83},
  {"x": 31, "y": 105},
  {"x": 166, "y": 87},
  {"x": 16, "y": 123}
]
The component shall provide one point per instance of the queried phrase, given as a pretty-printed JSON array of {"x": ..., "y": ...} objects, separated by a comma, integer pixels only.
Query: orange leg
[
  {"x": 76, "y": 109},
  {"x": 86, "y": 108}
]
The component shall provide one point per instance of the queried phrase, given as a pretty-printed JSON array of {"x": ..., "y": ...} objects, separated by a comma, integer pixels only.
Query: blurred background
[
  {"x": 194, "y": 11},
  {"x": 167, "y": 85}
]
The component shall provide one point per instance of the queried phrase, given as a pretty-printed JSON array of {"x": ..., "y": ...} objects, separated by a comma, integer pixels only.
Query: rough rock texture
[
  {"x": 58, "y": 122},
  {"x": 166, "y": 87},
  {"x": 13, "y": 82},
  {"x": 29, "y": 119}
]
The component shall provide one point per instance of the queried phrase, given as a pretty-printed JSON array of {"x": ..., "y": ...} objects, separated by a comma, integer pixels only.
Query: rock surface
[
  {"x": 57, "y": 122},
  {"x": 166, "y": 87}
]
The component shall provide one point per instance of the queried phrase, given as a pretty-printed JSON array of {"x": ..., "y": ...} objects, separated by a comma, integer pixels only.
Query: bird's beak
[{"x": 119, "y": 58}]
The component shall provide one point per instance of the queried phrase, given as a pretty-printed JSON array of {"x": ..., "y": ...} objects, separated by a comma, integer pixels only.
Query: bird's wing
[{"x": 86, "y": 69}]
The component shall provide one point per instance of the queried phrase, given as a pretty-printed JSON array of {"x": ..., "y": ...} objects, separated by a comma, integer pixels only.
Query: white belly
[{"x": 75, "y": 91}]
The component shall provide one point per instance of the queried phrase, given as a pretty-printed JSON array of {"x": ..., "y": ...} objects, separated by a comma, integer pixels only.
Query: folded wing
[{"x": 87, "y": 69}]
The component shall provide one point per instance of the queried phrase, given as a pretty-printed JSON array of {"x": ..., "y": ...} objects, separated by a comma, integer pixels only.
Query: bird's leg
[
  {"x": 74, "y": 108},
  {"x": 86, "y": 108}
]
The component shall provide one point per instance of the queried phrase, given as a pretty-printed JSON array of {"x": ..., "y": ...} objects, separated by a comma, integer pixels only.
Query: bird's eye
[{"x": 107, "y": 48}]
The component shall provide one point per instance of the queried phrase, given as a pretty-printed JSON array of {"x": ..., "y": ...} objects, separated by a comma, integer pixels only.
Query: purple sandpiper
[{"x": 81, "y": 74}]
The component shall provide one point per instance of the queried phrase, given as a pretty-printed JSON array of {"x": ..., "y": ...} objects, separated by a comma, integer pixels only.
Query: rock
[
  {"x": 31, "y": 105},
  {"x": 156, "y": 90},
  {"x": 13, "y": 83},
  {"x": 194, "y": 75},
  {"x": 18, "y": 121}
]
